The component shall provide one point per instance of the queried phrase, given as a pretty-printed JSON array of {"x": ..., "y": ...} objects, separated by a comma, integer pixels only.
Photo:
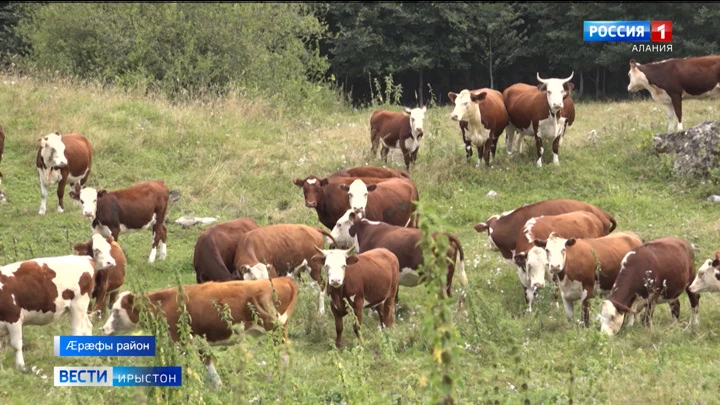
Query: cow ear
[
  {"x": 101, "y": 193},
  {"x": 424, "y": 108},
  {"x": 633, "y": 64},
  {"x": 371, "y": 187},
  {"x": 406, "y": 110},
  {"x": 478, "y": 97},
  {"x": 317, "y": 261},
  {"x": 81, "y": 248},
  {"x": 717, "y": 275},
  {"x": 717, "y": 254},
  {"x": 540, "y": 243},
  {"x": 352, "y": 260},
  {"x": 57, "y": 133},
  {"x": 481, "y": 227},
  {"x": 324, "y": 182},
  {"x": 520, "y": 259},
  {"x": 568, "y": 86},
  {"x": 452, "y": 96},
  {"x": 344, "y": 187},
  {"x": 716, "y": 263},
  {"x": 298, "y": 182},
  {"x": 570, "y": 242},
  {"x": 542, "y": 87}
]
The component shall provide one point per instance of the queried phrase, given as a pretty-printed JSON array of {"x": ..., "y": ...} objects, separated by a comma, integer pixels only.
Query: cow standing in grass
[
  {"x": 61, "y": 160},
  {"x": 397, "y": 131}
]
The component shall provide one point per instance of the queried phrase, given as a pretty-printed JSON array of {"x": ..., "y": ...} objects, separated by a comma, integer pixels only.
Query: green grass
[{"x": 238, "y": 158}]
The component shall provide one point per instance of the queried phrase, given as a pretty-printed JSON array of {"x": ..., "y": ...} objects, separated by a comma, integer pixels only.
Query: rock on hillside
[{"x": 696, "y": 150}]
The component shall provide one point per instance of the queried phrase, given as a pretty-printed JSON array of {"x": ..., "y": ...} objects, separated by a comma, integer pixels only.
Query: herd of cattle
[{"x": 372, "y": 242}]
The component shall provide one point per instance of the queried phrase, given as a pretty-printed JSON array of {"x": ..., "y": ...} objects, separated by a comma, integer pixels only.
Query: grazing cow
[
  {"x": 397, "y": 131},
  {"x": 531, "y": 260},
  {"x": 503, "y": 229},
  {"x": 137, "y": 207},
  {"x": 398, "y": 197},
  {"x": 354, "y": 230},
  {"x": 214, "y": 255},
  {"x": 280, "y": 250},
  {"x": 39, "y": 291},
  {"x": 62, "y": 159},
  {"x": 365, "y": 280},
  {"x": 370, "y": 171},
  {"x": 244, "y": 299},
  {"x": 537, "y": 111},
  {"x": 708, "y": 277},
  {"x": 331, "y": 201},
  {"x": 484, "y": 116},
  {"x": 577, "y": 263},
  {"x": 110, "y": 272},
  {"x": 670, "y": 81},
  {"x": 656, "y": 272}
]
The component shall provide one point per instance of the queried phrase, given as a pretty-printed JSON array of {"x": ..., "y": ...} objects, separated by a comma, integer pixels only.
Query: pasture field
[{"x": 238, "y": 158}]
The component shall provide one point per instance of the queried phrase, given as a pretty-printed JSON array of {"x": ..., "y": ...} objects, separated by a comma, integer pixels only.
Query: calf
[
  {"x": 656, "y": 272},
  {"x": 485, "y": 117},
  {"x": 110, "y": 273},
  {"x": 62, "y": 159},
  {"x": 708, "y": 277},
  {"x": 397, "y": 131},
  {"x": 503, "y": 229},
  {"x": 579, "y": 262},
  {"x": 531, "y": 260},
  {"x": 214, "y": 255},
  {"x": 40, "y": 291},
  {"x": 365, "y": 280},
  {"x": 245, "y": 300},
  {"x": 137, "y": 207},
  {"x": 370, "y": 171}
]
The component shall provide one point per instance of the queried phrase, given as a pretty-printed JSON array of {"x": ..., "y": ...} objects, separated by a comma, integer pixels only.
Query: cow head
[
  {"x": 341, "y": 231},
  {"x": 335, "y": 262},
  {"x": 312, "y": 190},
  {"x": 358, "y": 195},
  {"x": 121, "y": 315},
  {"x": 52, "y": 150},
  {"x": 556, "y": 90},
  {"x": 555, "y": 247},
  {"x": 707, "y": 278},
  {"x": 417, "y": 117},
  {"x": 259, "y": 271},
  {"x": 465, "y": 102},
  {"x": 98, "y": 248},
  {"x": 532, "y": 267},
  {"x": 88, "y": 198},
  {"x": 638, "y": 80},
  {"x": 612, "y": 315}
]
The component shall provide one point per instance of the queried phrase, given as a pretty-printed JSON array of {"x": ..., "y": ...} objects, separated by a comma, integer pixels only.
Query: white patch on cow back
[
  {"x": 408, "y": 277},
  {"x": 527, "y": 230}
]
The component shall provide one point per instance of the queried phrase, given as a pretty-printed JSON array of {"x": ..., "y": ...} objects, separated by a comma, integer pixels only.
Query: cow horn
[
  {"x": 350, "y": 251},
  {"x": 319, "y": 250},
  {"x": 570, "y": 77},
  {"x": 539, "y": 79}
]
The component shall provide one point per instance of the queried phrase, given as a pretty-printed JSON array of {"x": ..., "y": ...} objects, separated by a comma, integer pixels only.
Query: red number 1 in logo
[{"x": 661, "y": 31}]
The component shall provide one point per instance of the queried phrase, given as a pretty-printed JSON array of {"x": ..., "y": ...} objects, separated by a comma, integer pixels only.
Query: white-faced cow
[
  {"x": 397, "y": 131},
  {"x": 137, "y": 207},
  {"x": 110, "y": 264},
  {"x": 581, "y": 263},
  {"x": 537, "y": 111},
  {"x": 708, "y": 276},
  {"x": 485, "y": 117},
  {"x": 672, "y": 80},
  {"x": 365, "y": 280},
  {"x": 268, "y": 301},
  {"x": 214, "y": 255},
  {"x": 654, "y": 273},
  {"x": 61, "y": 160},
  {"x": 503, "y": 229},
  {"x": 39, "y": 291},
  {"x": 531, "y": 260}
]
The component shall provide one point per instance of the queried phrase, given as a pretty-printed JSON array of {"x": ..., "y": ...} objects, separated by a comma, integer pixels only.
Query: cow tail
[
  {"x": 324, "y": 232},
  {"x": 613, "y": 223},
  {"x": 454, "y": 240}
]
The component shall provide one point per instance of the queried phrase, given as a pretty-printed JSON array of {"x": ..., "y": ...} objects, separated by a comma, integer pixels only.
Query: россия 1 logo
[{"x": 657, "y": 32}]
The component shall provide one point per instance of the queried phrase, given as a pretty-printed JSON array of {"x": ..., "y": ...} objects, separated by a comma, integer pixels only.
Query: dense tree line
[{"x": 185, "y": 49}]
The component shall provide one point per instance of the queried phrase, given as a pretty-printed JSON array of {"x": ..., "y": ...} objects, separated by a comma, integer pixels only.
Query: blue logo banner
[
  {"x": 118, "y": 376},
  {"x": 70, "y": 346},
  {"x": 616, "y": 31}
]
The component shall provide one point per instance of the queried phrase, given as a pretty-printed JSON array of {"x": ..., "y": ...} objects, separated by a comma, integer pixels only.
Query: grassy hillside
[{"x": 238, "y": 158}]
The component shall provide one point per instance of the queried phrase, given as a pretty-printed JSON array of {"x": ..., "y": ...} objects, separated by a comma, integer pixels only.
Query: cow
[
  {"x": 39, "y": 291},
  {"x": 397, "y": 131},
  {"x": 670, "y": 81},
  {"x": 582, "y": 264},
  {"x": 365, "y": 280},
  {"x": 656, "y": 272},
  {"x": 503, "y": 229},
  {"x": 398, "y": 196},
  {"x": 708, "y": 276},
  {"x": 370, "y": 171},
  {"x": 110, "y": 270},
  {"x": 214, "y": 255},
  {"x": 537, "y": 111},
  {"x": 263, "y": 301},
  {"x": 485, "y": 117},
  {"x": 280, "y": 250},
  {"x": 531, "y": 261},
  {"x": 138, "y": 207},
  {"x": 331, "y": 201},
  {"x": 355, "y": 230},
  {"x": 62, "y": 159}
]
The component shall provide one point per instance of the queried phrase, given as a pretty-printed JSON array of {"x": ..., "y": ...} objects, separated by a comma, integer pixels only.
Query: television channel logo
[
  {"x": 627, "y": 31},
  {"x": 118, "y": 376}
]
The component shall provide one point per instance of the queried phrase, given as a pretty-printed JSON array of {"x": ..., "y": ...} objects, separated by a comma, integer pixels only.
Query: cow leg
[
  {"x": 15, "y": 331},
  {"x": 358, "y": 304},
  {"x": 481, "y": 154},
  {"x": 694, "y": 307},
  {"x": 649, "y": 310},
  {"x": 61, "y": 194},
  {"x": 162, "y": 245},
  {"x": 586, "y": 306},
  {"x": 568, "y": 307},
  {"x": 214, "y": 377},
  {"x": 43, "y": 196},
  {"x": 556, "y": 150},
  {"x": 529, "y": 295},
  {"x": 509, "y": 138},
  {"x": 406, "y": 157},
  {"x": 495, "y": 140},
  {"x": 374, "y": 142},
  {"x": 675, "y": 309},
  {"x": 338, "y": 325},
  {"x": 677, "y": 107},
  {"x": 384, "y": 153},
  {"x": 321, "y": 302},
  {"x": 80, "y": 324},
  {"x": 449, "y": 277},
  {"x": 413, "y": 156},
  {"x": 540, "y": 150},
  {"x": 388, "y": 311},
  {"x": 487, "y": 150}
]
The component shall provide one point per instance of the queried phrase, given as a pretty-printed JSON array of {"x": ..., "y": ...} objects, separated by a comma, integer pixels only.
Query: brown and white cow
[
  {"x": 670, "y": 81},
  {"x": 397, "y": 131},
  {"x": 61, "y": 160},
  {"x": 503, "y": 229},
  {"x": 485, "y": 117},
  {"x": 654, "y": 273},
  {"x": 370, "y": 171},
  {"x": 393, "y": 201},
  {"x": 365, "y": 280},
  {"x": 531, "y": 260},
  {"x": 581, "y": 263},
  {"x": 537, "y": 111},
  {"x": 39, "y": 291},
  {"x": 110, "y": 269},
  {"x": 280, "y": 250},
  {"x": 331, "y": 201},
  {"x": 246, "y": 300},
  {"x": 708, "y": 276},
  {"x": 140, "y": 206},
  {"x": 214, "y": 255}
]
